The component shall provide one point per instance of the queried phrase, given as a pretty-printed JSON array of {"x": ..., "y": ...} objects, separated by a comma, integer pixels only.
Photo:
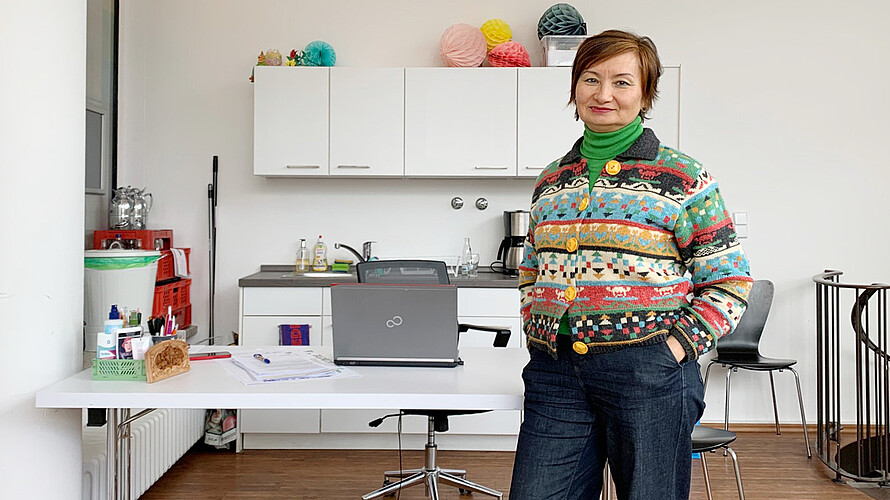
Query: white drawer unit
[
  {"x": 356, "y": 421},
  {"x": 282, "y": 301},
  {"x": 280, "y": 421},
  {"x": 501, "y": 302}
]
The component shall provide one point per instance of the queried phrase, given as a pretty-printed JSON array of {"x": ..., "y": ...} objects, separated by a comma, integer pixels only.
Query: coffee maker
[{"x": 510, "y": 251}]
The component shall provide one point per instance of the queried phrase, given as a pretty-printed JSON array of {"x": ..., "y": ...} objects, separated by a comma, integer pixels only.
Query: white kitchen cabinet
[
  {"x": 460, "y": 122},
  {"x": 664, "y": 118},
  {"x": 280, "y": 421},
  {"x": 262, "y": 331},
  {"x": 424, "y": 122},
  {"x": 367, "y": 107},
  {"x": 290, "y": 110},
  {"x": 490, "y": 307},
  {"x": 546, "y": 126},
  {"x": 262, "y": 310}
]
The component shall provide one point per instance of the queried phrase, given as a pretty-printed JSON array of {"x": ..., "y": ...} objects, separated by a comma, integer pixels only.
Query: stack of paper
[{"x": 284, "y": 365}]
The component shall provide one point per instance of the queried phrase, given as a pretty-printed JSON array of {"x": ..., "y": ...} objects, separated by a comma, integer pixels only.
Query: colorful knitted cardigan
[{"x": 614, "y": 258}]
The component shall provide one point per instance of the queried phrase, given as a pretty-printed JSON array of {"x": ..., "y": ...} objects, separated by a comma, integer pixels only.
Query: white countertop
[{"x": 482, "y": 383}]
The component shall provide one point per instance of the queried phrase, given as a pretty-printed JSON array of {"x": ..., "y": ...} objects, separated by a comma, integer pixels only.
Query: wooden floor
[{"x": 773, "y": 467}]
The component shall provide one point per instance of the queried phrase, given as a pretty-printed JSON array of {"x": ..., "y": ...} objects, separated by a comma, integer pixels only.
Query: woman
[{"x": 614, "y": 337}]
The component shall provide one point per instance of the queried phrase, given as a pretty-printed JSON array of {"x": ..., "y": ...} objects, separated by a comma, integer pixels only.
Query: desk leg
[
  {"x": 111, "y": 458},
  {"x": 124, "y": 450},
  {"x": 117, "y": 453}
]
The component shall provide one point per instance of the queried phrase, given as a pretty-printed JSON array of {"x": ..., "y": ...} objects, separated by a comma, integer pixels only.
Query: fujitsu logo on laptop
[{"x": 394, "y": 322}]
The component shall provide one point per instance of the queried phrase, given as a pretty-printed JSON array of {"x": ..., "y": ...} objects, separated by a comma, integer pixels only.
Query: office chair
[
  {"x": 740, "y": 350},
  {"x": 425, "y": 272}
]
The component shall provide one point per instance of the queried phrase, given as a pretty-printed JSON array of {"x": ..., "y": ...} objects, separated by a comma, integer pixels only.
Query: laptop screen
[{"x": 411, "y": 325}]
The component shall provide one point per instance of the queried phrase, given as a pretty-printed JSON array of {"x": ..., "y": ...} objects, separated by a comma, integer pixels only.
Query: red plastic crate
[
  {"x": 166, "y": 269},
  {"x": 183, "y": 316},
  {"x": 175, "y": 295},
  {"x": 145, "y": 239}
]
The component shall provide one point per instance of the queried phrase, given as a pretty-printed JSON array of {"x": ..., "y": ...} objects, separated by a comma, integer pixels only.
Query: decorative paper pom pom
[
  {"x": 319, "y": 53},
  {"x": 273, "y": 58},
  {"x": 509, "y": 54},
  {"x": 561, "y": 19},
  {"x": 463, "y": 46},
  {"x": 496, "y": 32}
]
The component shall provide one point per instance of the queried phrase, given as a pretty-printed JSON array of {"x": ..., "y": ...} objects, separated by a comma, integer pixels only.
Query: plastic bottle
[
  {"x": 465, "y": 257},
  {"x": 320, "y": 256},
  {"x": 303, "y": 256},
  {"x": 106, "y": 341}
]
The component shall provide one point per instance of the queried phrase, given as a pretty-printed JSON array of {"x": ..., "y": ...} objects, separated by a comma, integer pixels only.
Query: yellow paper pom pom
[{"x": 496, "y": 32}]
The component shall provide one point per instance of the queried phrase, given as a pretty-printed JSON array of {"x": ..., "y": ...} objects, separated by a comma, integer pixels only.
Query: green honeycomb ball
[{"x": 561, "y": 19}]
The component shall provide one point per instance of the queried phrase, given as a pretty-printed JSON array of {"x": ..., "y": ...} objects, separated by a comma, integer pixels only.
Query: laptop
[{"x": 394, "y": 325}]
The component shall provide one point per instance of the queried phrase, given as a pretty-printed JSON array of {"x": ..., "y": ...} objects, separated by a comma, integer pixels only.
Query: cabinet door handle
[
  {"x": 491, "y": 167},
  {"x": 303, "y": 166},
  {"x": 532, "y": 167},
  {"x": 354, "y": 166}
]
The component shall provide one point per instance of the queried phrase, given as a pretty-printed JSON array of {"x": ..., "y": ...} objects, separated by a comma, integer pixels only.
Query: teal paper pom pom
[
  {"x": 319, "y": 53},
  {"x": 561, "y": 19}
]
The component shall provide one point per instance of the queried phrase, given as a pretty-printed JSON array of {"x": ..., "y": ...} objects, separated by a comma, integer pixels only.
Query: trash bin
[{"x": 122, "y": 277}]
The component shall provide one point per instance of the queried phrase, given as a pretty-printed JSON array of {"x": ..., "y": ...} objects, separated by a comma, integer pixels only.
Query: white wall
[
  {"x": 41, "y": 227},
  {"x": 783, "y": 102}
]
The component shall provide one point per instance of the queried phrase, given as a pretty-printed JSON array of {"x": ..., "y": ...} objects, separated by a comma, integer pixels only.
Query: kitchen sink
[{"x": 318, "y": 274}]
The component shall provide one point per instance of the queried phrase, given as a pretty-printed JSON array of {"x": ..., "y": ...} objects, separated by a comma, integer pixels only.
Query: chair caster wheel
[
  {"x": 464, "y": 492},
  {"x": 387, "y": 482}
]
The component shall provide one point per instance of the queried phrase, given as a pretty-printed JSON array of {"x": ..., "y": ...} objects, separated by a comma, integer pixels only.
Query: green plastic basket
[{"x": 118, "y": 369}]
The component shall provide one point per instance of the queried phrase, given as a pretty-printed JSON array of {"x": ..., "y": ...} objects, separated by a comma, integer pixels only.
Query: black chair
[
  {"x": 704, "y": 440},
  {"x": 707, "y": 440},
  {"x": 740, "y": 350},
  {"x": 425, "y": 272}
]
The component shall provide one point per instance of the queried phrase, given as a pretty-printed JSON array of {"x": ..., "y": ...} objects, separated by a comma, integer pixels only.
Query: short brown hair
[{"x": 611, "y": 43}]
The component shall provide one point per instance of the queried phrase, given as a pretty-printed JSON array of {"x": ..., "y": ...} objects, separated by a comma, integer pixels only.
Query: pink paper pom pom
[
  {"x": 463, "y": 46},
  {"x": 509, "y": 54}
]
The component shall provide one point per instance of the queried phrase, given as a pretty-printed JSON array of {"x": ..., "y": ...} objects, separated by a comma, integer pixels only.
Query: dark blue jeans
[{"x": 635, "y": 407}]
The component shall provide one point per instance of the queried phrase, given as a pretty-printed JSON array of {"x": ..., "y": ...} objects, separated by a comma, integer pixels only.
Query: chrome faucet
[{"x": 362, "y": 257}]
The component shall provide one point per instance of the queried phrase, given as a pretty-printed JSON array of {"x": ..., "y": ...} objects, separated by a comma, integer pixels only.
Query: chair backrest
[
  {"x": 427, "y": 272},
  {"x": 746, "y": 336}
]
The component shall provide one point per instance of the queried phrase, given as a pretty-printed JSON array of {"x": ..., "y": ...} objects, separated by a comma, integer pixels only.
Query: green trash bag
[{"x": 114, "y": 263}]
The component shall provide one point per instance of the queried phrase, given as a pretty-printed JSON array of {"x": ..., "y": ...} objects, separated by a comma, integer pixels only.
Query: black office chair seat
[
  {"x": 441, "y": 416},
  {"x": 708, "y": 439},
  {"x": 704, "y": 440},
  {"x": 755, "y": 362}
]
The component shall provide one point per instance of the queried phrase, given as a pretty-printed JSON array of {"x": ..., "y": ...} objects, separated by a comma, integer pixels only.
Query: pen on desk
[{"x": 261, "y": 358}]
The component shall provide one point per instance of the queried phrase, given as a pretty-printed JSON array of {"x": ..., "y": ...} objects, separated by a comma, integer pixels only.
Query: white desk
[{"x": 481, "y": 383}]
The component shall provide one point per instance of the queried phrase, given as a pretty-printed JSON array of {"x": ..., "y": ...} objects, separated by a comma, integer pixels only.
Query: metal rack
[{"x": 852, "y": 378}]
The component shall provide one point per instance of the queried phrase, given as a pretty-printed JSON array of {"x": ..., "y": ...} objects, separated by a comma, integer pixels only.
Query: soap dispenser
[
  {"x": 302, "y": 257},
  {"x": 320, "y": 256}
]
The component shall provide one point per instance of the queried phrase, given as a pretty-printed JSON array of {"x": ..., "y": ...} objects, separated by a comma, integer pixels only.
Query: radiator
[{"x": 157, "y": 441}]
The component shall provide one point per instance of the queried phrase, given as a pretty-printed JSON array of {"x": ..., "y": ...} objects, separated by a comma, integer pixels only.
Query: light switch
[
  {"x": 741, "y": 232},
  {"x": 740, "y": 218}
]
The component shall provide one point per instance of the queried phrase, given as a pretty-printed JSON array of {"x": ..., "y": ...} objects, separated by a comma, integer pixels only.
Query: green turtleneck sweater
[{"x": 598, "y": 148}]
